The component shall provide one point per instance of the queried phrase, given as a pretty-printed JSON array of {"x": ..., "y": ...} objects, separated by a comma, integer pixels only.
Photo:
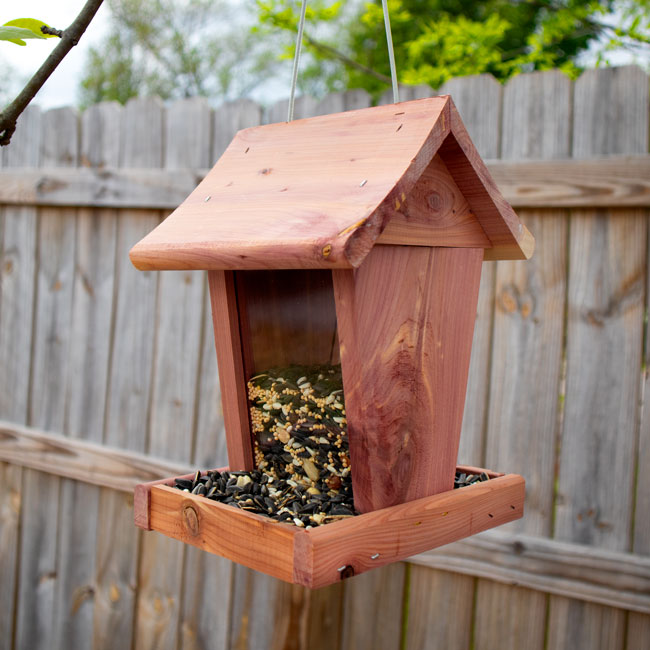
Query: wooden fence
[{"x": 108, "y": 377}]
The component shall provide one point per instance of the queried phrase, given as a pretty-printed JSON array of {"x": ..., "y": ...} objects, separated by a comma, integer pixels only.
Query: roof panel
[
  {"x": 288, "y": 195},
  {"x": 317, "y": 193}
]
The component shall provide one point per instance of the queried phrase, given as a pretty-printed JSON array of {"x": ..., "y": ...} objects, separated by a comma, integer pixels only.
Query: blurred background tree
[
  {"x": 436, "y": 40},
  {"x": 175, "y": 49},
  {"x": 224, "y": 49}
]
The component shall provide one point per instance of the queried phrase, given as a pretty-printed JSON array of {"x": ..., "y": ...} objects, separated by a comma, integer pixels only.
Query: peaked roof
[{"x": 318, "y": 192}]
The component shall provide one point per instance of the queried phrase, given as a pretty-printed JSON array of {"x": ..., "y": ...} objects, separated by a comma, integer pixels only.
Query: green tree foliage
[
  {"x": 438, "y": 39},
  {"x": 174, "y": 49}
]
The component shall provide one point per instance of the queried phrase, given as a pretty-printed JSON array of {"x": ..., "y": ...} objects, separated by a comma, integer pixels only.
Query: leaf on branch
[{"x": 19, "y": 29}]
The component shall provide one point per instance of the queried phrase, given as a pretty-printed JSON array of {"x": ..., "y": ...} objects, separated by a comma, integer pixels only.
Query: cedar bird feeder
[{"x": 359, "y": 234}]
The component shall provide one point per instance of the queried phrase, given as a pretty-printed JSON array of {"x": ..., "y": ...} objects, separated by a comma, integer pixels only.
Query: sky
[{"x": 61, "y": 88}]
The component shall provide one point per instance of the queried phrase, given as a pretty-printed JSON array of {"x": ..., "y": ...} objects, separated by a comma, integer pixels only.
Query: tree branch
[{"x": 69, "y": 39}]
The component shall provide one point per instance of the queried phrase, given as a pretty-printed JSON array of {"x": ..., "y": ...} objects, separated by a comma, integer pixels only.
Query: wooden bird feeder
[{"x": 367, "y": 228}]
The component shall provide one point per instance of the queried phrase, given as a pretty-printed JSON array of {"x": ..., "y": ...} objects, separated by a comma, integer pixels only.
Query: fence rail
[{"x": 108, "y": 377}]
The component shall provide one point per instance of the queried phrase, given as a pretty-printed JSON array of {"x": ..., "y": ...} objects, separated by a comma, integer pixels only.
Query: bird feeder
[{"x": 359, "y": 236}]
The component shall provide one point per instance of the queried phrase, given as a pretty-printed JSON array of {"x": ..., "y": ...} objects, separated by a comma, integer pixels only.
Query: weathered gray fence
[{"x": 108, "y": 376}]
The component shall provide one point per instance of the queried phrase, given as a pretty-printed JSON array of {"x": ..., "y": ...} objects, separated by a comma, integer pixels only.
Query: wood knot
[
  {"x": 327, "y": 249},
  {"x": 434, "y": 201},
  {"x": 191, "y": 519}
]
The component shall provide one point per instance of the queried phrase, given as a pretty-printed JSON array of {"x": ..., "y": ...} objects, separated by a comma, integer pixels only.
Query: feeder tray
[
  {"x": 321, "y": 556},
  {"x": 355, "y": 238}
]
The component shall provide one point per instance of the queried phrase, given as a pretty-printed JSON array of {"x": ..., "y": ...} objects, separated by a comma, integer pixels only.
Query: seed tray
[{"x": 324, "y": 555}]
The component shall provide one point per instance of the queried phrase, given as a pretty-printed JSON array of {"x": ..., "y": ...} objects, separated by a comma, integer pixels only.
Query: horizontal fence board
[
  {"x": 586, "y": 573},
  {"x": 84, "y": 461},
  {"x": 622, "y": 181},
  {"x": 572, "y": 570}
]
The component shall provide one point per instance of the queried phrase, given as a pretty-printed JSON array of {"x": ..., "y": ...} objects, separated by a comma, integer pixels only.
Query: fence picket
[
  {"x": 18, "y": 270},
  {"x": 129, "y": 384},
  {"x": 174, "y": 384},
  {"x": 38, "y": 621},
  {"x": 605, "y": 331}
]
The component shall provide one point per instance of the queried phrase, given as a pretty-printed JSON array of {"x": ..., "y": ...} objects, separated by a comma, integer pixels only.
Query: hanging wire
[
  {"x": 391, "y": 54},
  {"x": 296, "y": 60}
]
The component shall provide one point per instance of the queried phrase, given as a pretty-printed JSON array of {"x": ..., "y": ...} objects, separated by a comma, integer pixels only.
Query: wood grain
[
  {"x": 256, "y": 541},
  {"x": 205, "y": 574},
  {"x": 371, "y": 597},
  {"x": 92, "y": 306},
  {"x": 270, "y": 178},
  {"x": 174, "y": 385},
  {"x": 232, "y": 379},
  {"x": 438, "y": 609},
  {"x": 496, "y": 216},
  {"x": 527, "y": 346},
  {"x": 312, "y": 558},
  {"x": 399, "y": 531},
  {"x": 87, "y": 462},
  {"x": 38, "y": 621},
  {"x": 435, "y": 213},
  {"x": 405, "y": 348},
  {"x": 129, "y": 385},
  {"x": 478, "y": 99},
  {"x": 286, "y": 318},
  {"x": 616, "y": 180},
  {"x": 604, "y": 353},
  {"x": 586, "y": 573},
  {"x": 268, "y": 613},
  {"x": 17, "y": 290}
]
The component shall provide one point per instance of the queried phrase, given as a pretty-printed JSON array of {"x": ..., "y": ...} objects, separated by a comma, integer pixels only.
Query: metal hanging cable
[
  {"x": 391, "y": 54},
  {"x": 296, "y": 59}
]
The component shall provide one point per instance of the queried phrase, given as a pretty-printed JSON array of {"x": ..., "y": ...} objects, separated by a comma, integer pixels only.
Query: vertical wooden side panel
[
  {"x": 174, "y": 385},
  {"x": 17, "y": 286},
  {"x": 39, "y": 581},
  {"x": 527, "y": 353},
  {"x": 604, "y": 354},
  {"x": 86, "y": 388},
  {"x": 127, "y": 408},
  {"x": 231, "y": 369},
  {"x": 405, "y": 347}
]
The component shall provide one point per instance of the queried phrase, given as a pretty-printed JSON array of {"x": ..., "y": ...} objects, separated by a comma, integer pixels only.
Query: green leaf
[
  {"x": 15, "y": 34},
  {"x": 32, "y": 24},
  {"x": 21, "y": 28}
]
